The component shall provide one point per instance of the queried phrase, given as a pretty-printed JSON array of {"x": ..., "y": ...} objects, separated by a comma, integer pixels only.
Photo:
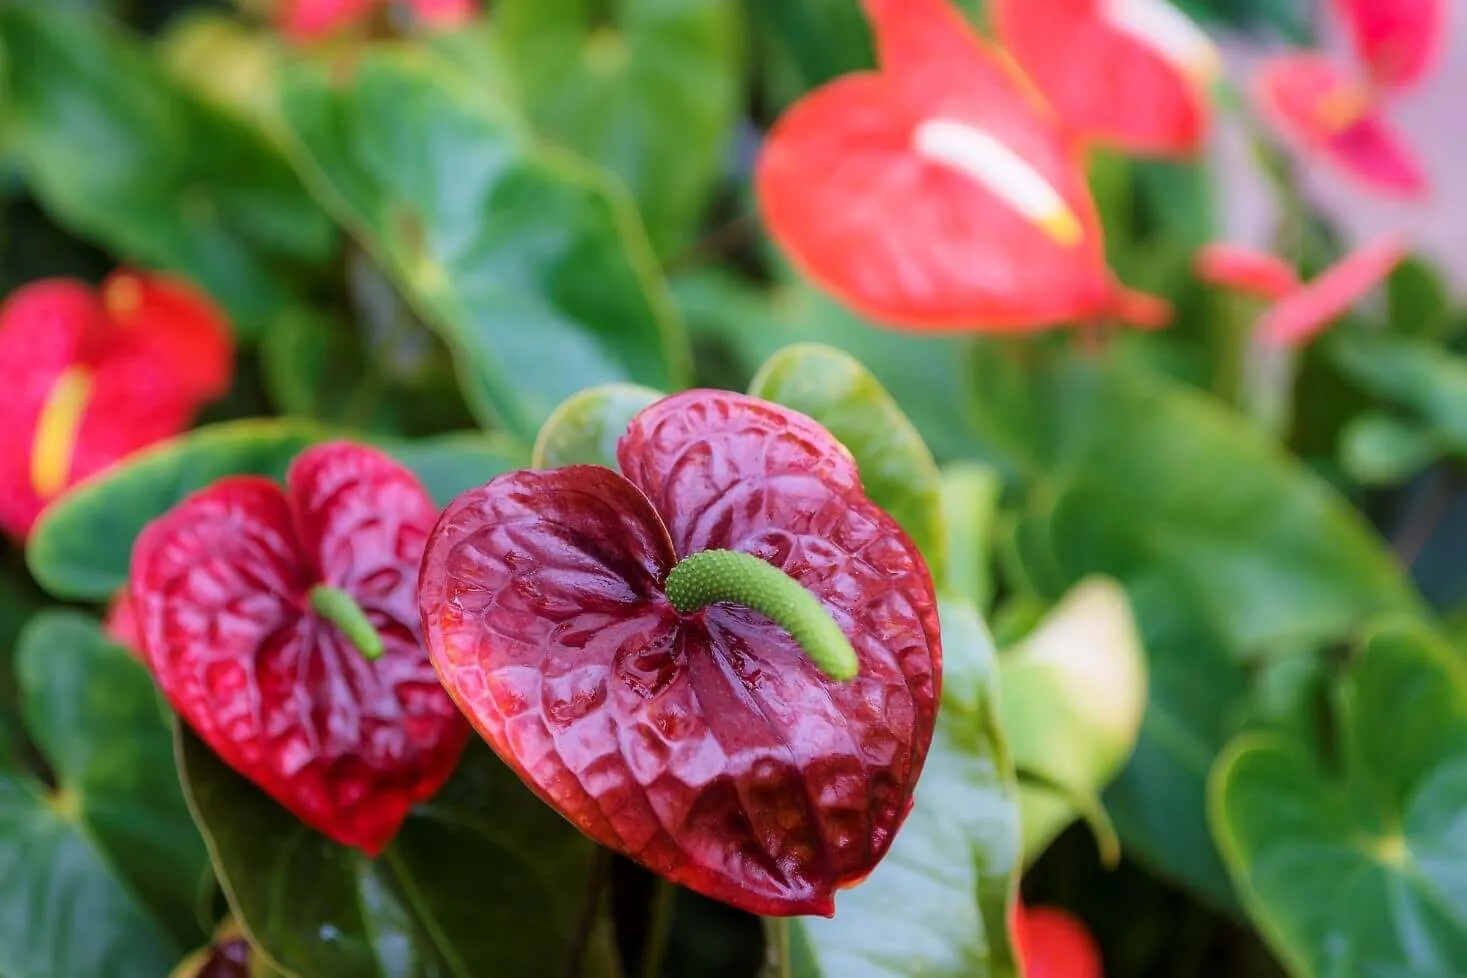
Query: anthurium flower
[
  {"x": 1397, "y": 40},
  {"x": 938, "y": 194},
  {"x": 1329, "y": 115},
  {"x": 1051, "y": 943},
  {"x": 282, "y": 625},
  {"x": 597, "y": 627},
  {"x": 93, "y": 377},
  {"x": 1133, "y": 74},
  {"x": 1140, "y": 310},
  {"x": 312, "y": 20},
  {"x": 1302, "y": 312}
]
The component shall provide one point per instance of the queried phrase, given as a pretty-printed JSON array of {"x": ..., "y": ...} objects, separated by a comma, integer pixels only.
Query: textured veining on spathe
[
  {"x": 707, "y": 746},
  {"x": 220, "y": 587}
]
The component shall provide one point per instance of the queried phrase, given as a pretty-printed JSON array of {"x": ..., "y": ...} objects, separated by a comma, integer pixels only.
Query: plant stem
[
  {"x": 596, "y": 881},
  {"x": 659, "y": 928}
]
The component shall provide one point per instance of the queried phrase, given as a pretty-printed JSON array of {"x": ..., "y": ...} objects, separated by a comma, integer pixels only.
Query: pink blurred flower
[{"x": 313, "y": 20}]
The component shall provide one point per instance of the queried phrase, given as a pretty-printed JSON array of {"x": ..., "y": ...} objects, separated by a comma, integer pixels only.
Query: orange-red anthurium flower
[
  {"x": 1051, "y": 943},
  {"x": 1330, "y": 115},
  {"x": 1302, "y": 312},
  {"x": 938, "y": 194},
  {"x": 1244, "y": 270},
  {"x": 1140, "y": 310},
  {"x": 1133, "y": 74},
  {"x": 94, "y": 376},
  {"x": 1397, "y": 40},
  {"x": 312, "y": 20}
]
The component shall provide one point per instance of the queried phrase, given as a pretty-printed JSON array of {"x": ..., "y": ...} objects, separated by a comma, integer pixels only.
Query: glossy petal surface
[
  {"x": 849, "y": 189},
  {"x": 176, "y": 323},
  {"x": 1306, "y": 313},
  {"x": 220, "y": 587},
  {"x": 1105, "y": 83},
  {"x": 1397, "y": 39},
  {"x": 707, "y": 747},
  {"x": 1053, "y": 944},
  {"x": 1241, "y": 269},
  {"x": 1314, "y": 104}
]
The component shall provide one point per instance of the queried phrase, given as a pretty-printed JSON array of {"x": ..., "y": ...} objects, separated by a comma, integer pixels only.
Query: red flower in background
[
  {"x": 938, "y": 194},
  {"x": 1133, "y": 74},
  {"x": 704, "y": 744},
  {"x": 312, "y": 20},
  {"x": 1053, "y": 944},
  {"x": 283, "y": 627},
  {"x": 1330, "y": 112},
  {"x": 1302, "y": 312},
  {"x": 94, "y": 377}
]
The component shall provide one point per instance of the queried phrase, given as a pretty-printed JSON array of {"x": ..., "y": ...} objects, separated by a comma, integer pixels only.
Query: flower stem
[
  {"x": 659, "y": 928},
  {"x": 342, "y": 610},
  {"x": 714, "y": 576}
]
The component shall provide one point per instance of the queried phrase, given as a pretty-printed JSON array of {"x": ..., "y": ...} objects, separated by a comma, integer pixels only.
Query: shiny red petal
[
  {"x": 1051, "y": 943},
  {"x": 44, "y": 327},
  {"x": 312, "y": 20},
  {"x": 1398, "y": 39},
  {"x": 1105, "y": 85},
  {"x": 1244, "y": 270},
  {"x": 177, "y": 325},
  {"x": 707, "y": 747},
  {"x": 1308, "y": 312},
  {"x": 910, "y": 241},
  {"x": 121, "y": 625},
  {"x": 1293, "y": 92},
  {"x": 220, "y": 587}
]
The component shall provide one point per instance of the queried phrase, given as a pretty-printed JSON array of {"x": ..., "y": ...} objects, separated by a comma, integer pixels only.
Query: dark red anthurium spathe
[
  {"x": 95, "y": 375},
  {"x": 1132, "y": 74},
  {"x": 1396, "y": 40},
  {"x": 1330, "y": 115},
  {"x": 282, "y": 625},
  {"x": 312, "y": 20},
  {"x": 1051, "y": 943},
  {"x": 938, "y": 194},
  {"x": 706, "y": 745},
  {"x": 1301, "y": 312}
]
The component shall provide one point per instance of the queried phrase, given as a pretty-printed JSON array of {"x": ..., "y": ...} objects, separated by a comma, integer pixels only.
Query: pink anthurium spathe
[
  {"x": 1301, "y": 312},
  {"x": 938, "y": 194},
  {"x": 1051, "y": 943},
  {"x": 1133, "y": 74},
  {"x": 313, "y": 20},
  {"x": 1331, "y": 116},
  {"x": 1396, "y": 40}
]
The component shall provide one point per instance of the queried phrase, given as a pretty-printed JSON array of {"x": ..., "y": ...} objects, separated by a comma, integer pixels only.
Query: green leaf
[
  {"x": 119, "y": 151},
  {"x": 101, "y": 875},
  {"x": 585, "y": 429},
  {"x": 1419, "y": 302},
  {"x": 481, "y": 881},
  {"x": 1359, "y": 871},
  {"x": 970, "y": 498},
  {"x": 896, "y": 468},
  {"x": 648, "y": 89},
  {"x": 937, "y": 905},
  {"x": 1412, "y": 373},
  {"x": 82, "y": 546},
  {"x": 530, "y": 265},
  {"x": 1377, "y": 449}
]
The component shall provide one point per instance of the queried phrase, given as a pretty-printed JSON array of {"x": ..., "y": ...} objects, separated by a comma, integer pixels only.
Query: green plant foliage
[
  {"x": 585, "y": 429},
  {"x": 119, "y": 150},
  {"x": 104, "y": 871},
  {"x": 530, "y": 324},
  {"x": 1319, "y": 845}
]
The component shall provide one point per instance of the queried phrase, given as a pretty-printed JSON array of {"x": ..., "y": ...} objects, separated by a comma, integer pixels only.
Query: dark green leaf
[
  {"x": 1415, "y": 374},
  {"x": 970, "y": 497},
  {"x": 896, "y": 468},
  {"x": 937, "y": 906},
  {"x": 1360, "y": 872},
  {"x": 483, "y": 881},
  {"x": 1419, "y": 302},
  {"x": 1377, "y": 449},
  {"x": 530, "y": 265},
  {"x": 101, "y": 875},
  {"x": 120, "y": 151},
  {"x": 648, "y": 89},
  {"x": 82, "y": 547},
  {"x": 585, "y": 429}
]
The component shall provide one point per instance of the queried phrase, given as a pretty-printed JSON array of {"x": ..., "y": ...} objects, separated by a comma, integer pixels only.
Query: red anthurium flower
[
  {"x": 1140, "y": 310},
  {"x": 938, "y": 194},
  {"x": 1306, "y": 313},
  {"x": 121, "y": 625},
  {"x": 92, "y": 379},
  {"x": 701, "y": 742},
  {"x": 1397, "y": 40},
  {"x": 1134, "y": 74},
  {"x": 312, "y": 20},
  {"x": 1244, "y": 270},
  {"x": 282, "y": 625},
  {"x": 1328, "y": 114},
  {"x": 1053, "y": 944}
]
